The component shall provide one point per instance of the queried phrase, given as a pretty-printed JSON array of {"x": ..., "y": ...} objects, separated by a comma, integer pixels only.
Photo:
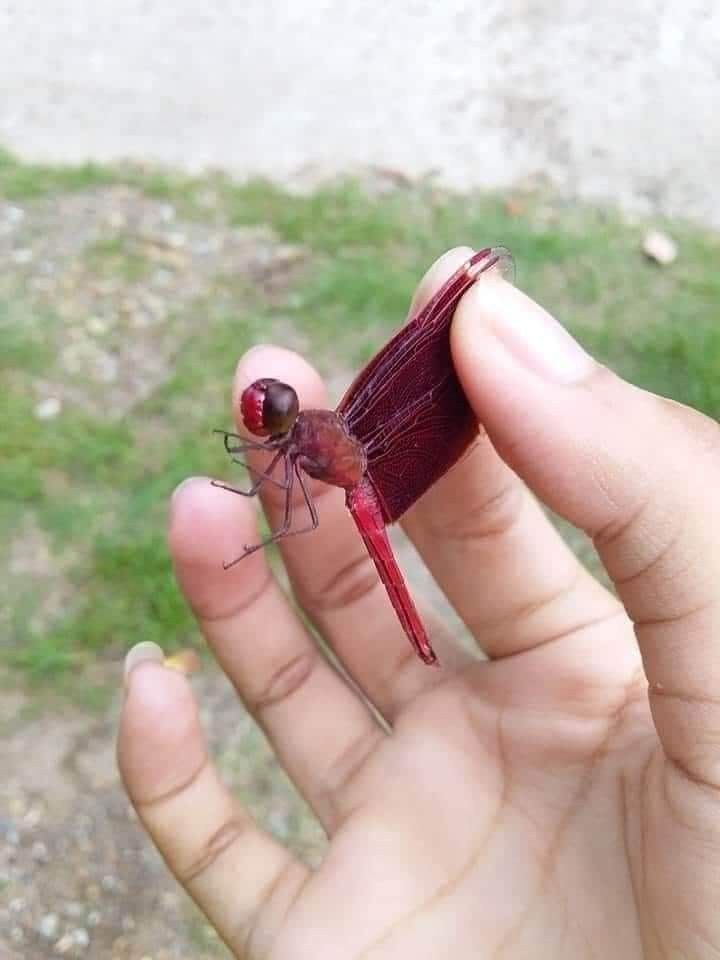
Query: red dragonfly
[{"x": 401, "y": 425}]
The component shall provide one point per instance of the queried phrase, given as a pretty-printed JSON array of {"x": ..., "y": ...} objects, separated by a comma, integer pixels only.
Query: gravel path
[{"x": 607, "y": 100}]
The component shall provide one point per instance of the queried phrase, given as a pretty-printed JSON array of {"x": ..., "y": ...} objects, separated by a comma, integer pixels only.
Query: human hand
[{"x": 559, "y": 800}]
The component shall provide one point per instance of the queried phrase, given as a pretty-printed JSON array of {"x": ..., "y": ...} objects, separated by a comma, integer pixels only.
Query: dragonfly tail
[{"x": 364, "y": 505}]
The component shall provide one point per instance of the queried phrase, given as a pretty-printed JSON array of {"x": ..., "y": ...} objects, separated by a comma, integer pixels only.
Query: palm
[{"x": 516, "y": 825}]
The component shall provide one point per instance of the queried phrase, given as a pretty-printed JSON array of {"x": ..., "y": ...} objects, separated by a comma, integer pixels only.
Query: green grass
[
  {"x": 97, "y": 489},
  {"x": 19, "y": 181}
]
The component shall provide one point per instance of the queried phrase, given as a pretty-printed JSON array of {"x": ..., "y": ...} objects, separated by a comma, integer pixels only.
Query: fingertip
[
  {"x": 208, "y": 527},
  {"x": 491, "y": 302},
  {"x": 192, "y": 504},
  {"x": 533, "y": 340},
  {"x": 160, "y": 745},
  {"x": 154, "y": 692}
]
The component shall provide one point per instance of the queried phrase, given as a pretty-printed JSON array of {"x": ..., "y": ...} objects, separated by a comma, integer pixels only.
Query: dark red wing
[{"x": 407, "y": 407}]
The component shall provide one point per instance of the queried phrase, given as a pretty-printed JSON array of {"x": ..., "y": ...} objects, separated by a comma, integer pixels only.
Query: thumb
[{"x": 639, "y": 474}]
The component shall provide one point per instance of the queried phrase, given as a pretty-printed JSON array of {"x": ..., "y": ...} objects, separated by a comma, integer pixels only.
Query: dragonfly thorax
[{"x": 326, "y": 450}]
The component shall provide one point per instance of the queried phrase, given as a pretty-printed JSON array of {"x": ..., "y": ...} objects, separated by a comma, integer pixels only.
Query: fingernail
[
  {"x": 177, "y": 492},
  {"x": 537, "y": 340},
  {"x": 256, "y": 348},
  {"x": 142, "y": 652}
]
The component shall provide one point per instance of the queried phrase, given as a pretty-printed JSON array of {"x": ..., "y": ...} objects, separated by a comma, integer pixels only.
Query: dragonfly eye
[{"x": 269, "y": 407}]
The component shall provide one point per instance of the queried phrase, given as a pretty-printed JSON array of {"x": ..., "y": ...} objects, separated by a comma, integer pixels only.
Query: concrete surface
[{"x": 609, "y": 100}]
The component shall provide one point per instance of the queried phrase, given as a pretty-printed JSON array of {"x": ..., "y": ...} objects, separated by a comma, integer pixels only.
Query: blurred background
[{"x": 180, "y": 181}]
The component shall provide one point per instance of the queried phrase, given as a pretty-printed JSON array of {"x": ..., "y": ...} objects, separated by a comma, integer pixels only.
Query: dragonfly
[{"x": 401, "y": 425}]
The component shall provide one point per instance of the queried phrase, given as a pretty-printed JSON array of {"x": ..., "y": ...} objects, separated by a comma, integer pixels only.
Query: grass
[{"x": 95, "y": 491}]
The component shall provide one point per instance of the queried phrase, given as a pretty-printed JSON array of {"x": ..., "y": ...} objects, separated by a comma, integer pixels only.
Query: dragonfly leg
[
  {"x": 291, "y": 471},
  {"x": 277, "y": 534},
  {"x": 314, "y": 519},
  {"x": 244, "y": 443},
  {"x": 243, "y": 447},
  {"x": 263, "y": 475}
]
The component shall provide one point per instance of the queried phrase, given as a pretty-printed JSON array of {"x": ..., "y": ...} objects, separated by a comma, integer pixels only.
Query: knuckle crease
[
  {"x": 220, "y": 841},
  {"x": 287, "y": 680}
]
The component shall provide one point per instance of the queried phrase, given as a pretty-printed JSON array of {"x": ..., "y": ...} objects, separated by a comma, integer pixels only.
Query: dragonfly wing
[
  {"x": 365, "y": 507},
  {"x": 407, "y": 407},
  {"x": 406, "y": 461}
]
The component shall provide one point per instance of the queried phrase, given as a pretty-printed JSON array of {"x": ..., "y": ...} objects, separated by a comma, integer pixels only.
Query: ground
[{"x": 125, "y": 298}]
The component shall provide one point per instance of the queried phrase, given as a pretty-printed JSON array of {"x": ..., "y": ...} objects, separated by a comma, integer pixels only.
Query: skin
[{"x": 559, "y": 799}]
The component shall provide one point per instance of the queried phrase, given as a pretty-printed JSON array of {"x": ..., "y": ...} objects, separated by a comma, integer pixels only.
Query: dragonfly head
[{"x": 269, "y": 407}]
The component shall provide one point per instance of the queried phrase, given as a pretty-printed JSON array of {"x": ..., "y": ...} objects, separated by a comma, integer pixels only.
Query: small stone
[
  {"x": 128, "y": 924},
  {"x": 658, "y": 246},
  {"x": 39, "y": 852},
  {"x": 18, "y": 806},
  {"x": 117, "y": 219},
  {"x": 94, "y": 918},
  {"x": 65, "y": 944},
  {"x": 73, "y": 909},
  {"x": 16, "y": 905},
  {"x": 81, "y": 938},
  {"x": 167, "y": 212},
  {"x": 169, "y": 899},
  {"x": 22, "y": 256},
  {"x": 177, "y": 240},
  {"x": 207, "y": 199},
  {"x": 32, "y": 817},
  {"x": 14, "y": 214},
  {"x": 48, "y": 408},
  {"x": 12, "y": 836},
  {"x": 109, "y": 883},
  {"x": 48, "y": 926},
  {"x": 163, "y": 277},
  {"x": 96, "y": 326},
  {"x": 17, "y": 935}
]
